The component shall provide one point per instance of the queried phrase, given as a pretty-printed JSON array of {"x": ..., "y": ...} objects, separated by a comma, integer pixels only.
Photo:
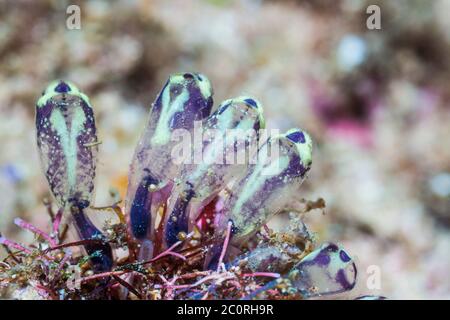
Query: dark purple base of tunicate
[
  {"x": 212, "y": 260},
  {"x": 100, "y": 252},
  {"x": 179, "y": 218},
  {"x": 140, "y": 213}
]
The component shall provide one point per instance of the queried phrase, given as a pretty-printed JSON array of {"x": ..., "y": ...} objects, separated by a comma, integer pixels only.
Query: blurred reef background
[{"x": 376, "y": 103}]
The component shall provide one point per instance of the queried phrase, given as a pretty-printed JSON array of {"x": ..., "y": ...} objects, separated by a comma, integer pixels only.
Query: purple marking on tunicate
[
  {"x": 62, "y": 87},
  {"x": 252, "y": 207},
  {"x": 43, "y": 112},
  {"x": 140, "y": 218},
  {"x": 196, "y": 108},
  {"x": 343, "y": 281},
  {"x": 100, "y": 252},
  {"x": 322, "y": 259},
  {"x": 50, "y": 148},
  {"x": 212, "y": 259},
  {"x": 297, "y": 137},
  {"x": 294, "y": 170},
  {"x": 179, "y": 218},
  {"x": 344, "y": 257},
  {"x": 214, "y": 119},
  {"x": 332, "y": 247},
  {"x": 86, "y": 153},
  {"x": 251, "y": 103},
  {"x": 222, "y": 109},
  {"x": 157, "y": 104}
]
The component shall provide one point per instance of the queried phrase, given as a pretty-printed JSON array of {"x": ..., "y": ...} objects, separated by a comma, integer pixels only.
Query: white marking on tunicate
[
  {"x": 304, "y": 149},
  {"x": 169, "y": 108},
  {"x": 224, "y": 124},
  {"x": 259, "y": 176},
  {"x": 204, "y": 86},
  {"x": 50, "y": 93},
  {"x": 69, "y": 139},
  {"x": 336, "y": 263}
]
